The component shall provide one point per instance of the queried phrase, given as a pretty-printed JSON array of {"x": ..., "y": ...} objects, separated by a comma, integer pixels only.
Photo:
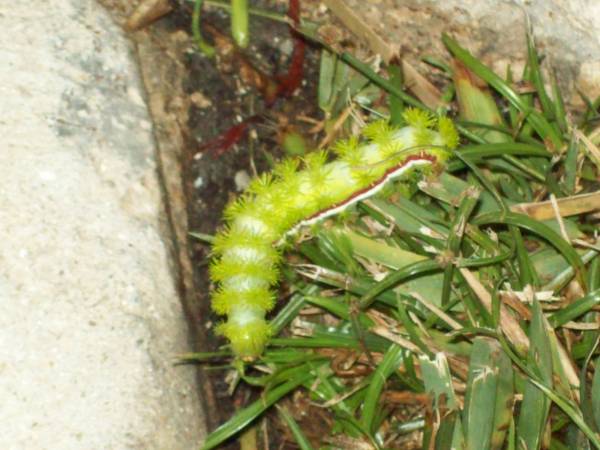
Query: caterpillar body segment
[{"x": 276, "y": 204}]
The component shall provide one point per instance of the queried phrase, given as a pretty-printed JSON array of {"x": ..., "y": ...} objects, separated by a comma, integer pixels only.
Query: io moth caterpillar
[{"x": 247, "y": 251}]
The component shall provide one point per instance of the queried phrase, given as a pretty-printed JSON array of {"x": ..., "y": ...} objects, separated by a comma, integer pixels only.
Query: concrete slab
[{"x": 90, "y": 319}]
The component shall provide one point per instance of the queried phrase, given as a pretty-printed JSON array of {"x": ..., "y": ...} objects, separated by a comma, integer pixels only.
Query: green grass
[{"x": 445, "y": 292}]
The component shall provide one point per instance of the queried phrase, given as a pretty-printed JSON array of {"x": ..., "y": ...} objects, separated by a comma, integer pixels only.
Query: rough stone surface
[
  {"x": 567, "y": 33},
  {"x": 90, "y": 318}
]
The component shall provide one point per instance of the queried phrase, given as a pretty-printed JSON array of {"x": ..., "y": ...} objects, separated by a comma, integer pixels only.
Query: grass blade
[
  {"x": 438, "y": 383},
  {"x": 574, "y": 310},
  {"x": 469, "y": 200},
  {"x": 505, "y": 398},
  {"x": 395, "y": 103},
  {"x": 245, "y": 416},
  {"x": 522, "y": 221},
  {"x": 476, "y": 152},
  {"x": 301, "y": 439},
  {"x": 476, "y": 103},
  {"x": 538, "y": 121},
  {"x": 480, "y": 399},
  {"x": 394, "y": 278},
  {"x": 535, "y": 76},
  {"x": 533, "y": 416},
  {"x": 326, "y": 80},
  {"x": 390, "y": 363},
  {"x": 596, "y": 393}
]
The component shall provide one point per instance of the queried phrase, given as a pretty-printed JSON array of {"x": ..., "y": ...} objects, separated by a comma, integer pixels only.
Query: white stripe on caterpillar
[
  {"x": 276, "y": 205},
  {"x": 321, "y": 215}
]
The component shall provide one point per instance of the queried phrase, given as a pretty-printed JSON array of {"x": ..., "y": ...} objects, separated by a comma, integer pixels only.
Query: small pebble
[
  {"x": 242, "y": 180},
  {"x": 199, "y": 100}
]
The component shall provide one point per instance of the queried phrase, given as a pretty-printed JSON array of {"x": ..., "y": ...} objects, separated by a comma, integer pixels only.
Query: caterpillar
[{"x": 247, "y": 250}]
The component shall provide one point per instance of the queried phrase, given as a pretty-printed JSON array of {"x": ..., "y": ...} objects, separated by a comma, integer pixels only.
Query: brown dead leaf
[{"x": 147, "y": 12}]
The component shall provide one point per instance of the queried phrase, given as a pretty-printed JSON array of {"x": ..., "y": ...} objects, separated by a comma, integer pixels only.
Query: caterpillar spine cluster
[{"x": 246, "y": 257}]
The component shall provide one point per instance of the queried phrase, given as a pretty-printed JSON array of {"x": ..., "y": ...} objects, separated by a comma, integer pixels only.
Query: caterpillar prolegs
[{"x": 276, "y": 204}]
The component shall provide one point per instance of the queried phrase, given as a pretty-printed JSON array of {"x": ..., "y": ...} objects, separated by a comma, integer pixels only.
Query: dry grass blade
[
  {"x": 592, "y": 149},
  {"x": 362, "y": 30},
  {"x": 508, "y": 324},
  {"x": 567, "y": 206},
  {"x": 147, "y": 12},
  {"x": 437, "y": 311},
  {"x": 389, "y": 334}
]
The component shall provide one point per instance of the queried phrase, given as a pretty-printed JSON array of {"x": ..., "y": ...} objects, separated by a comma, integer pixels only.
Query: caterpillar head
[{"x": 247, "y": 339}]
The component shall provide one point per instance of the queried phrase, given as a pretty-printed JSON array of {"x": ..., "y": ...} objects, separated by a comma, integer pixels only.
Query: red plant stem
[
  {"x": 289, "y": 82},
  {"x": 222, "y": 143}
]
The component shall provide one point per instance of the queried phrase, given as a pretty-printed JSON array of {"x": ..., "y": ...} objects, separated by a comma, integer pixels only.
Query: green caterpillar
[{"x": 247, "y": 250}]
